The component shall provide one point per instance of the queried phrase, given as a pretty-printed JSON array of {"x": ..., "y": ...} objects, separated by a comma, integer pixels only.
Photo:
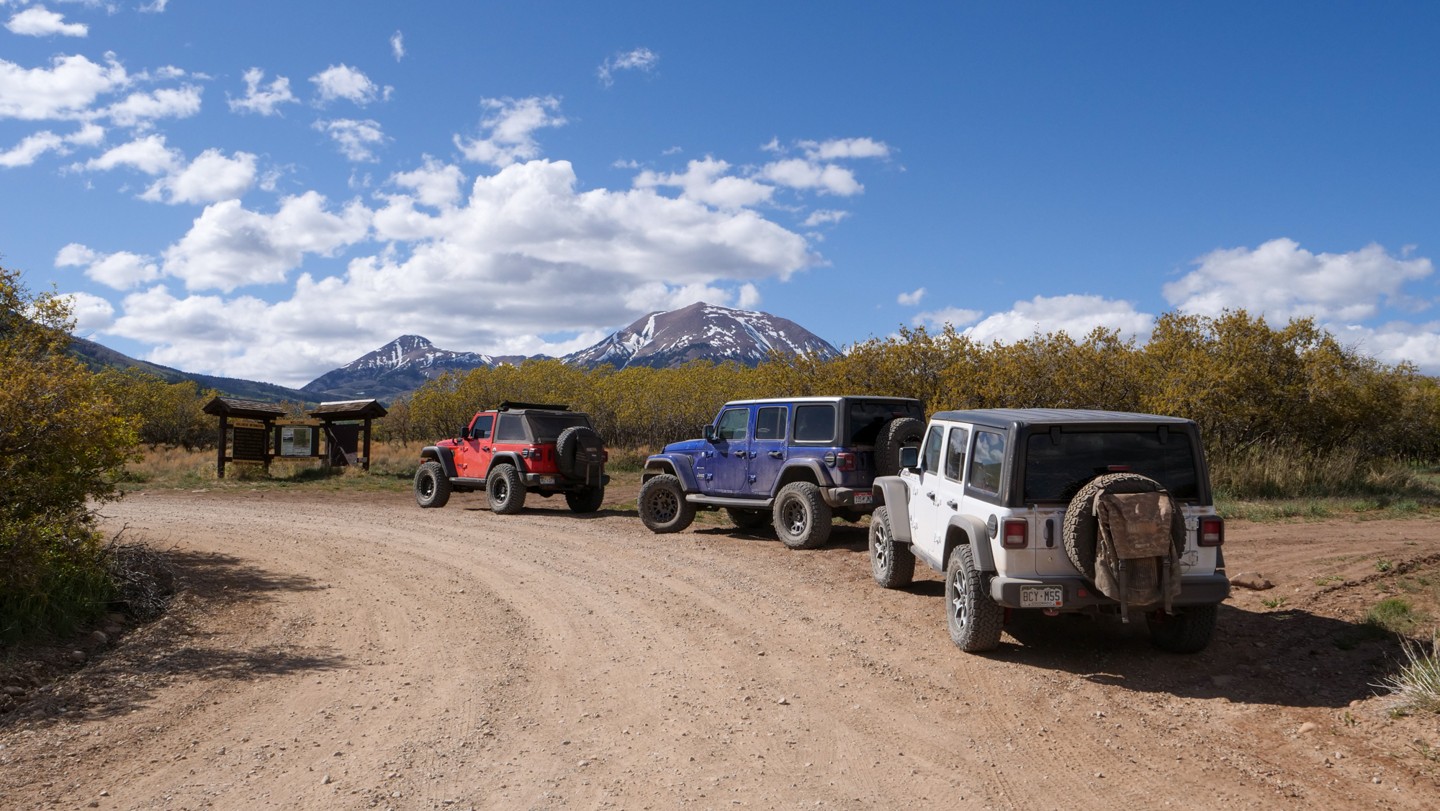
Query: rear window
[
  {"x": 814, "y": 423},
  {"x": 867, "y": 418},
  {"x": 547, "y": 427},
  {"x": 1058, "y": 464}
]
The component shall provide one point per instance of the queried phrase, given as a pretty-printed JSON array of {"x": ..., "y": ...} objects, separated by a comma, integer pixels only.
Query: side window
[
  {"x": 770, "y": 423},
  {"x": 814, "y": 423},
  {"x": 930, "y": 456},
  {"x": 510, "y": 428},
  {"x": 733, "y": 422},
  {"x": 955, "y": 453},
  {"x": 481, "y": 429},
  {"x": 986, "y": 461}
]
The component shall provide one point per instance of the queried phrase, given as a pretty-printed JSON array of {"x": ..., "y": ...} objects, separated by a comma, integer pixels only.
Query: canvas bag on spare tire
[{"x": 1136, "y": 560}]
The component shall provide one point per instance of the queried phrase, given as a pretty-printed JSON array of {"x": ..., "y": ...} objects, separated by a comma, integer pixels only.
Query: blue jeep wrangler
[{"x": 793, "y": 462}]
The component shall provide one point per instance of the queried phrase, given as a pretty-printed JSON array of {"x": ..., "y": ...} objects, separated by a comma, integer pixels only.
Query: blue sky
[{"x": 269, "y": 190}]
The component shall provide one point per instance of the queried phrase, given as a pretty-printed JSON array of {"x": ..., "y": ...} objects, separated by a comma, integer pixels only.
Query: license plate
[
  {"x": 864, "y": 498},
  {"x": 1042, "y": 596},
  {"x": 547, "y": 479}
]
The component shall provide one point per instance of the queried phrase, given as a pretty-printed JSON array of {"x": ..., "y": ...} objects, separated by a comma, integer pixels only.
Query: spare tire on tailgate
[
  {"x": 1081, "y": 527},
  {"x": 894, "y": 435},
  {"x": 573, "y": 450}
]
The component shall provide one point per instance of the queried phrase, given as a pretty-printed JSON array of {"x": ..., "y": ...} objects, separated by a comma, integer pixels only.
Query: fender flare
[
  {"x": 504, "y": 459},
  {"x": 892, "y": 492},
  {"x": 816, "y": 469},
  {"x": 444, "y": 456},
  {"x": 679, "y": 465},
  {"x": 979, "y": 536}
]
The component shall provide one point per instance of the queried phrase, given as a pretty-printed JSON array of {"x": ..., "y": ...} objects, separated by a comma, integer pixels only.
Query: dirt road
[{"x": 333, "y": 653}]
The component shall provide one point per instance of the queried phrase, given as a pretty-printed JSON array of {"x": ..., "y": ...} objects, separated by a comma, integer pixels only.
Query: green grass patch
[
  {"x": 1396, "y": 615},
  {"x": 1321, "y": 509}
]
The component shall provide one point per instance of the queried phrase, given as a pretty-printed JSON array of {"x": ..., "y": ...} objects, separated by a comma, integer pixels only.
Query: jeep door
[
  {"x": 472, "y": 454},
  {"x": 926, "y": 497},
  {"x": 726, "y": 465},
  {"x": 767, "y": 448}
]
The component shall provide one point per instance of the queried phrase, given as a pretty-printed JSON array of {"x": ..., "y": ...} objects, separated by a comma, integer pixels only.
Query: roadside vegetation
[{"x": 62, "y": 444}]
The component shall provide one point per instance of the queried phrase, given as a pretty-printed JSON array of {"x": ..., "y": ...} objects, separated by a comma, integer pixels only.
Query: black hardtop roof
[
  {"x": 1021, "y": 417},
  {"x": 879, "y": 398}
]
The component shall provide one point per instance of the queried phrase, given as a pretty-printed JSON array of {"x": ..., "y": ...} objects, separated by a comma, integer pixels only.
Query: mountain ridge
[{"x": 661, "y": 339}]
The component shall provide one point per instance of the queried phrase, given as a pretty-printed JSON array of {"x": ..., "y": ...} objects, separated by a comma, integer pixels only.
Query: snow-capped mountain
[
  {"x": 661, "y": 339},
  {"x": 702, "y": 332},
  {"x": 400, "y": 366}
]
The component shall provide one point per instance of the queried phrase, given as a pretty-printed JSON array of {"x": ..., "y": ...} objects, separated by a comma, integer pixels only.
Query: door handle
[
  {"x": 952, "y": 505},
  {"x": 930, "y": 495},
  {"x": 776, "y": 454}
]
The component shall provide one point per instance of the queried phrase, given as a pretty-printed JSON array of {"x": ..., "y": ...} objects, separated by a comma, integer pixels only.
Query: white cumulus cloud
[
  {"x": 229, "y": 246},
  {"x": 263, "y": 100},
  {"x": 1074, "y": 315},
  {"x": 397, "y": 45},
  {"x": 912, "y": 298},
  {"x": 38, "y": 21},
  {"x": 142, "y": 109},
  {"x": 121, "y": 270},
  {"x": 148, "y": 154},
  {"x": 209, "y": 178},
  {"x": 1280, "y": 280},
  {"x": 357, "y": 140},
  {"x": 90, "y": 312},
  {"x": 707, "y": 181},
  {"x": 65, "y": 90},
  {"x": 508, "y": 131},
  {"x": 344, "y": 82}
]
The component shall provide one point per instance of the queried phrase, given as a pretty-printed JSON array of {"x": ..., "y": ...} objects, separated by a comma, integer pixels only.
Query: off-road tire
[
  {"x": 891, "y": 563},
  {"x": 662, "y": 505},
  {"x": 1188, "y": 630},
  {"x": 505, "y": 490},
  {"x": 801, "y": 517},
  {"x": 432, "y": 487},
  {"x": 568, "y": 446},
  {"x": 973, "y": 618},
  {"x": 749, "y": 520},
  {"x": 894, "y": 435},
  {"x": 587, "y": 500},
  {"x": 1081, "y": 527}
]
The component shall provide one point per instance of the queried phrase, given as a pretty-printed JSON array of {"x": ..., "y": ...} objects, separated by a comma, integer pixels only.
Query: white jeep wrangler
[{"x": 1057, "y": 511}]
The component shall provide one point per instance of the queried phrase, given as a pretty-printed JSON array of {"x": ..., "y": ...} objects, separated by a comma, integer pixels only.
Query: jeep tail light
[
  {"x": 845, "y": 461},
  {"x": 1015, "y": 534},
  {"x": 1212, "y": 531}
]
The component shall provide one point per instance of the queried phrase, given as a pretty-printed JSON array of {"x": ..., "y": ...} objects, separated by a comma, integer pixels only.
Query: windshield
[{"x": 1058, "y": 464}]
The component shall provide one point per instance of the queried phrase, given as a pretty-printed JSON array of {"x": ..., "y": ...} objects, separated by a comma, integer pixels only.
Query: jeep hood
[{"x": 686, "y": 446}]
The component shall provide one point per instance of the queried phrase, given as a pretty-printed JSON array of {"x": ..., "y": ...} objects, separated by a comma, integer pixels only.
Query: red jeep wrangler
[{"x": 515, "y": 449}]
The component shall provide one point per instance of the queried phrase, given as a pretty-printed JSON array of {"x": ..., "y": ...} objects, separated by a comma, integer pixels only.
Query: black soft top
[{"x": 1023, "y": 417}]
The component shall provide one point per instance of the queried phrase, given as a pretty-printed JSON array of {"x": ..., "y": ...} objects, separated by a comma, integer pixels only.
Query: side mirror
[
  {"x": 710, "y": 434},
  {"x": 464, "y": 432},
  {"x": 909, "y": 457}
]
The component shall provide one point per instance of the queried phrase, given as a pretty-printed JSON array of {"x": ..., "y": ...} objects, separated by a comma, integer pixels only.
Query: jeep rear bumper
[
  {"x": 1079, "y": 593},
  {"x": 849, "y": 498},
  {"x": 558, "y": 483}
]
